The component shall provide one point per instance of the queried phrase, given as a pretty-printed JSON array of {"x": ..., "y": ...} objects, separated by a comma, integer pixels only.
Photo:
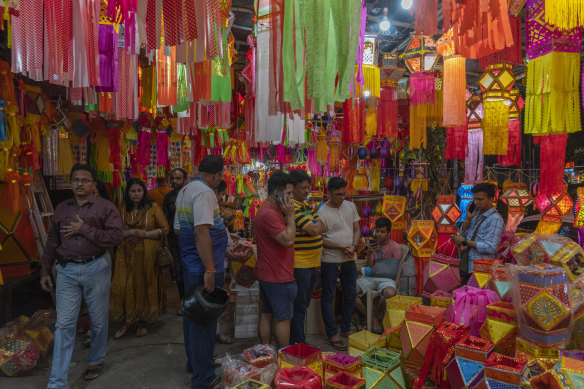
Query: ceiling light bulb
[
  {"x": 366, "y": 93},
  {"x": 384, "y": 24},
  {"x": 406, "y": 4}
]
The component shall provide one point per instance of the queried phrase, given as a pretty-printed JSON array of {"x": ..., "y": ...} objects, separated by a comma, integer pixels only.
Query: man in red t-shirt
[{"x": 275, "y": 233}]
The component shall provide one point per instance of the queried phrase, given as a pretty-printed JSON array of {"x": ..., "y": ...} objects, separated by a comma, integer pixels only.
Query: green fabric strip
[{"x": 294, "y": 71}]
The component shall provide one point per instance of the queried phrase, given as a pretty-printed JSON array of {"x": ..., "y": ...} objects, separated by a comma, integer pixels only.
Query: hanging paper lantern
[
  {"x": 552, "y": 208},
  {"x": 496, "y": 84},
  {"x": 517, "y": 199},
  {"x": 475, "y": 109},
  {"x": 446, "y": 214},
  {"x": 419, "y": 174},
  {"x": 362, "y": 153},
  {"x": 465, "y": 194},
  {"x": 335, "y": 154},
  {"x": 421, "y": 54},
  {"x": 565, "y": 15},
  {"x": 391, "y": 72},
  {"x": 394, "y": 208},
  {"x": 513, "y": 156},
  {"x": 423, "y": 239},
  {"x": 454, "y": 106},
  {"x": 579, "y": 209},
  {"x": 554, "y": 54},
  {"x": 321, "y": 146}
]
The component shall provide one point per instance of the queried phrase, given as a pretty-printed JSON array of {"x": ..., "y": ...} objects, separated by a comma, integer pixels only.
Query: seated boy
[{"x": 382, "y": 248}]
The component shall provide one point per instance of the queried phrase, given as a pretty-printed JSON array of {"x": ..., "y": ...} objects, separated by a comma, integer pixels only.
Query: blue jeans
[
  {"x": 91, "y": 282},
  {"x": 305, "y": 280},
  {"x": 200, "y": 339},
  {"x": 329, "y": 273}
]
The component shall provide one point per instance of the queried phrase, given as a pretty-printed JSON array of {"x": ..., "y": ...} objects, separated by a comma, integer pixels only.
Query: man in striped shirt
[{"x": 307, "y": 252}]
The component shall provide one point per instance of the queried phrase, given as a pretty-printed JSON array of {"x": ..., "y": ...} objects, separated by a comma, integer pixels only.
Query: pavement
[{"x": 156, "y": 360}]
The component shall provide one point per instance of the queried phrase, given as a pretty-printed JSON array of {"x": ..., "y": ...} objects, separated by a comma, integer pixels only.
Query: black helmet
[{"x": 202, "y": 307}]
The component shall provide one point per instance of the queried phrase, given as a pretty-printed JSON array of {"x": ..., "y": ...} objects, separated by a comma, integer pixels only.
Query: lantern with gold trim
[
  {"x": 552, "y": 208},
  {"x": 516, "y": 198},
  {"x": 446, "y": 214},
  {"x": 475, "y": 112},
  {"x": 394, "y": 208},
  {"x": 423, "y": 238},
  {"x": 391, "y": 73},
  {"x": 496, "y": 84},
  {"x": 419, "y": 174},
  {"x": 420, "y": 57},
  {"x": 371, "y": 73},
  {"x": 500, "y": 327}
]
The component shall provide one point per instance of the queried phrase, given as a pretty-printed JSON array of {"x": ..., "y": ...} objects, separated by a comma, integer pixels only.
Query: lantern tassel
[
  {"x": 454, "y": 106},
  {"x": 496, "y": 127},
  {"x": 565, "y": 14}
]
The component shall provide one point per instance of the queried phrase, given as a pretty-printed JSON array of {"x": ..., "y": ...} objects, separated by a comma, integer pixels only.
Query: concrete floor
[{"x": 154, "y": 361}]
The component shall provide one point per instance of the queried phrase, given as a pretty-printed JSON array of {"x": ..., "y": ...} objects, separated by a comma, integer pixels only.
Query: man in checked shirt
[{"x": 82, "y": 231}]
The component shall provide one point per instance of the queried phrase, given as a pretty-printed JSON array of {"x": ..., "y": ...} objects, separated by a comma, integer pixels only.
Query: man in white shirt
[{"x": 338, "y": 258}]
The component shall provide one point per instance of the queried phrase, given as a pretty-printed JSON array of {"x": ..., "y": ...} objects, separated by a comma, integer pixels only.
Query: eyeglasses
[{"x": 83, "y": 181}]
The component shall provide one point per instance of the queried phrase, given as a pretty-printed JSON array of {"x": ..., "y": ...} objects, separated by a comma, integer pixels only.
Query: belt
[{"x": 83, "y": 261}]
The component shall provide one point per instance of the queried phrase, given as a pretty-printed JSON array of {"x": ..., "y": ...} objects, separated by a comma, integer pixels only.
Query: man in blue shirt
[
  {"x": 483, "y": 227},
  {"x": 202, "y": 242}
]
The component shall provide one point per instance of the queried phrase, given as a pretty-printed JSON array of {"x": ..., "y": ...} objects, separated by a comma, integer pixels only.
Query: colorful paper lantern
[
  {"x": 543, "y": 305},
  {"x": 465, "y": 194},
  {"x": 446, "y": 214},
  {"x": 396, "y": 307},
  {"x": 362, "y": 341},
  {"x": 481, "y": 274},
  {"x": 394, "y": 208},
  {"x": 417, "y": 331},
  {"x": 503, "y": 370},
  {"x": 421, "y": 54},
  {"x": 300, "y": 354},
  {"x": 516, "y": 198},
  {"x": 391, "y": 71},
  {"x": 553, "y": 54},
  {"x": 371, "y": 49},
  {"x": 499, "y": 282},
  {"x": 496, "y": 84},
  {"x": 500, "y": 327},
  {"x": 454, "y": 107},
  {"x": 467, "y": 368},
  {"x": 419, "y": 174},
  {"x": 345, "y": 381},
  {"x": 441, "y": 274},
  {"x": 298, "y": 377},
  {"x": 579, "y": 210},
  {"x": 570, "y": 372},
  {"x": 552, "y": 208},
  {"x": 382, "y": 369},
  {"x": 342, "y": 363},
  {"x": 543, "y": 358},
  {"x": 423, "y": 238},
  {"x": 513, "y": 156}
]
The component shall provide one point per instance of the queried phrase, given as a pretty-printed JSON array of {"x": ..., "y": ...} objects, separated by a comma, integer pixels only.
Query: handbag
[
  {"x": 164, "y": 256},
  {"x": 464, "y": 260}
]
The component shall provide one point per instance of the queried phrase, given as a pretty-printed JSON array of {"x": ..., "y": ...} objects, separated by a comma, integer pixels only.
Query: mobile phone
[
  {"x": 471, "y": 207},
  {"x": 279, "y": 196}
]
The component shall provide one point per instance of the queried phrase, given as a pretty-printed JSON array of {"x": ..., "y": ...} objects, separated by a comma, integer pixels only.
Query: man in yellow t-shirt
[{"x": 307, "y": 252}]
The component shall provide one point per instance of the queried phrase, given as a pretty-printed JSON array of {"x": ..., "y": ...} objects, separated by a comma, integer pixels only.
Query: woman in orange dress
[{"x": 137, "y": 291}]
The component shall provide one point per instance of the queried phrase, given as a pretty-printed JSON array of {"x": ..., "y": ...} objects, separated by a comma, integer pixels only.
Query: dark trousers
[
  {"x": 329, "y": 272},
  {"x": 305, "y": 280},
  {"x": 178, "y": 270},
  {"x": 200, "y": 339}
]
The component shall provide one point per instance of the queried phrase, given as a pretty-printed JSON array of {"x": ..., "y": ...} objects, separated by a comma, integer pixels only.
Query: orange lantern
[
  {"x": 446, "y": 214},
  {"x": 516, "y": 198},
  {"x": 552, "y": 208},
  {"x": 394, "y": 208}
]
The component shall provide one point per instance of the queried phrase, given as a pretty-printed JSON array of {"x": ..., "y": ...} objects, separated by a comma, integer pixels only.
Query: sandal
[
  {"x": 338, "y": 345},
  {"x": 215, "y": 384},
  {"x": 92, "y": 372},
  {"x": 121, "y": 332},
  {"x": 141, "y": 331},
  {"x": 346, "y": 334},
  {"x": 223, "y": 339}
]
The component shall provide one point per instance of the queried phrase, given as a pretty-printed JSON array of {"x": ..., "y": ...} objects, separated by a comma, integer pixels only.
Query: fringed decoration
[
  {"x": 387, "y": 113},
  {"x": 565, "y": 14},
  {"x": 435, "y": 110},
  {"x": 335, "y": 154},
  {"x": 473, "y": 165},
  {"x": 552, "y": 156},
  {"x": 422, "y": 86},
  {"x": 321, "y": 147},
  {"x": 553, "y": 98},
  {"x": 418, "y": 126},
  {"x": 372, "y": 77},
  {"x": 543, "y": 38},
  {"x": 456, "y": 142},
  {"x": 353, "y": 120},
  {"x": 294, "y": 71},
  {"x": 166, "y": 77},
  {"x": 513, "y": 156},
  {"x": 125, "y": 96},
  {"x": 371, "y": 119},
  {"x": 496, "y": 127},
  {"x": 426, "y": 14},
  {"x": 454, "y": 110},
  {"x": 512, "y": 54},
  {"x": 108, "y": 59}
]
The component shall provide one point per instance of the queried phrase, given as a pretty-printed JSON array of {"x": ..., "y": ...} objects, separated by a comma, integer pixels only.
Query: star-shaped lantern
[
  {"x": 517, "y": 198},
  {"x": 423, "y": 238},
  {"x": 394, "y": 208},
  {"x": 446, "y": 214},
  {"x": 497, "y": 81},
  {"x": 552, "y": 208},
  {"x": 421, "y": 54}
]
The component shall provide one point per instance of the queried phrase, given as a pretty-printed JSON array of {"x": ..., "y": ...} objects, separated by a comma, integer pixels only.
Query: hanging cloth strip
[
  {"x": 513, "y": 156},
  {"x": 552, "y": 157},
  {"x": 201, "y": 80},
  {"x": 189, "y": 20},
  {"x": 422, "y": 87},
  {"x": 426, "y": 14},
  {"x": 166, "y": 77},
  {"x": 268, "y": 123},
  {"x": 213, "y": 29},
  {"x": 347, "y": 21},
  {"x": 58, "y": 16},
  {"x": 125, "y": 95},
  {"x": 360, "y": 47},
  {"x": 387, "y": 113},
  {"x": 473, "y": 165},
  {"x": 153, "y": 24},
  {"x": 552, "y": 97},
  {"x": 162, "y": 149},
  {"x": 353, "y": 120},
  {"x": 512, "y": 54},
  {"x": 172, "y": 11},
  {"x": 221, "y": 78},
  {"x": 495, "y": 127},
  {"x": 183, "y": 104},
  {"x": 456, "y": 142},
  {"x": 108, "y": 59},
  {"x": 294, "y": 72},
  {"x": 148, "y": 86},
  {"x": 27, "y": 39}
]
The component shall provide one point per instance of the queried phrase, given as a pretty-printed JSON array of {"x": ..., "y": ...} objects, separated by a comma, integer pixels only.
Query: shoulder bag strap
[{"x": 474, "y": 235}]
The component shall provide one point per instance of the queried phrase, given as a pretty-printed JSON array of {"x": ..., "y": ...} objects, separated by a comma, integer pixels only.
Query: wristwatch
[{"x": 464, "y": 242}]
